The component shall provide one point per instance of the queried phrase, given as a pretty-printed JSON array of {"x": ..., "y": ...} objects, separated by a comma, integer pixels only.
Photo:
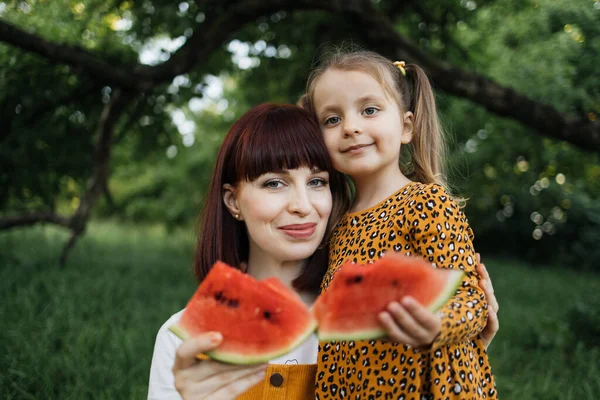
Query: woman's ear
[
  {"x": 408, "y": 126},
  {"x": 230, "y": 201}
]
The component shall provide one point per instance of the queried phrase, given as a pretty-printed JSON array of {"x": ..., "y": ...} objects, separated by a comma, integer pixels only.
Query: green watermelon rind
[
  {"x": 369, "y": 334},
  {"x": 240, "y": 359},
  {"x": 448, "y": 292},
  {"x": 356, "y": 335}
]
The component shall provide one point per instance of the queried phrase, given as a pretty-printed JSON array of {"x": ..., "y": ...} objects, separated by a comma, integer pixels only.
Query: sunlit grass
[{"x": 87, "y": 331}]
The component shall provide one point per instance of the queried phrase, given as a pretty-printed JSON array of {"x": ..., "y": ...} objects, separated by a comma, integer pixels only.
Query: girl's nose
[{"x": 352, "y": 127}]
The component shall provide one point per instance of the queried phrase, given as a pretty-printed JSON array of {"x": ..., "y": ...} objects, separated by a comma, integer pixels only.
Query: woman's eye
[
  {"x": 317, "y": 182},
  {"x": 332, "y": 120},
  {"x": 370, "y": 111},
  {"x": 273, "y": 184}
]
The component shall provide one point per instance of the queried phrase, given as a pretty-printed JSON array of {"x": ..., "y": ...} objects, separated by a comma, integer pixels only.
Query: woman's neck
[
  {"x": 263, "y": 267},
  {"x": 374, "y": 188}
]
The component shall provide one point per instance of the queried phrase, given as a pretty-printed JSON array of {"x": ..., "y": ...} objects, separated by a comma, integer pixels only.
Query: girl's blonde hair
[{"x": 412, "y": 92}]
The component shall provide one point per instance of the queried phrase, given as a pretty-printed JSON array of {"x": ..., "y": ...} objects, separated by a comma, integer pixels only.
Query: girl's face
[
  {"x": 362, "y": 126},
  {"x": 285, "y": 212}
]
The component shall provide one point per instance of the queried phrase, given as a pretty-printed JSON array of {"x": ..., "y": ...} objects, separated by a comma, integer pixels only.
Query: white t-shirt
[{"x": 161, "y": 386}]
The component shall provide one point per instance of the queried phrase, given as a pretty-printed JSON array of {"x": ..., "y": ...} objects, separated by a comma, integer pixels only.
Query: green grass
[{"x": 87, "y": 331}]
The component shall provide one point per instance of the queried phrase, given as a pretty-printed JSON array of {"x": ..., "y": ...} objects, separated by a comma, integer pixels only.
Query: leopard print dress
[{"x": 419, "y": 219}]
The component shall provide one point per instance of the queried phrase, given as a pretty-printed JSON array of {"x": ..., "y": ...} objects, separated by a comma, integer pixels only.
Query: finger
[
  {"x": 186, "y": 352},
  {"x": 235, "y": 388},
  {"x": 217, "y": 381},
  {"x": 490, "y": 296},
  {"x": 483, "y": 272},
  {"x": 491, "y": 327},
  {"x": 207, "y": 369},
  {"x": 394, "y": 332},
  {"x": 478, "y": 256},
  {"x": 487, "y": 287},
  {"x": 429, "y": 321}
]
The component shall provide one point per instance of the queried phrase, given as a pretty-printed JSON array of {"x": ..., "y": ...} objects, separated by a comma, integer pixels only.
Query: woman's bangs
[{"x": 287, "y": 139}]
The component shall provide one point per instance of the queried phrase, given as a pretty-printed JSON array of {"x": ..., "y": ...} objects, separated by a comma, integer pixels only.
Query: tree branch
[
  {"x": 59, "y": 53},
  {"x": 34, "y": 218},
  {"x": 378, "y": 33},
  {"x": 98, "y": 183},
  {"x": 381, "y": 36}
]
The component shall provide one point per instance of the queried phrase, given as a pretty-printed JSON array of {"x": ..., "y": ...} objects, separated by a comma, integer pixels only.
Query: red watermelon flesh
[
  {"x": 349, "y": 309},
  {"x": 259, "y": 320}
]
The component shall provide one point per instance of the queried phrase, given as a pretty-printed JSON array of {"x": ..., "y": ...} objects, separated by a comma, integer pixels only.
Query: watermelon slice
[
  {"x": 259, "y": 320},
  {"x": 349, "y": 308}
]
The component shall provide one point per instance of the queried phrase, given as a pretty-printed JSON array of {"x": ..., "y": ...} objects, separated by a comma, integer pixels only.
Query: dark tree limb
[
  {"x": 131, "y": 119},
  {"x": 381, "y": 36},
  {"x": 34, "y": 218},
  {"x": 377, "y": 31},
  {"x": 98, "y": 184}
]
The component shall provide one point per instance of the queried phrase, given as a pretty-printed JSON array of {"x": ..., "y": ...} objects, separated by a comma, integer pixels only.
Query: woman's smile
[{"x": 299, "y": 231}]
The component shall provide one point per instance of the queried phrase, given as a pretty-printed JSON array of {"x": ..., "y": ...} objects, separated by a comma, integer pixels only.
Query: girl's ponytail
[{"x": 428, "y": 146}]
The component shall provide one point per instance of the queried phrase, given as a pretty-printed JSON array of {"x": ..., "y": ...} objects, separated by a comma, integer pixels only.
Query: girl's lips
[
  {"x": 356, "y": 149},
  {"x": 299, "y": 231}
]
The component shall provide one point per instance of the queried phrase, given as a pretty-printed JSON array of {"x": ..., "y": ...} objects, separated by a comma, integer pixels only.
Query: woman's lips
[{"x": 299, "y": 231}]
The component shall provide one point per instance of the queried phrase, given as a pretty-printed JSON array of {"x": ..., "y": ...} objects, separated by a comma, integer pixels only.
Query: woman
[
  {"x": 268, "y": 209},
  {"x": 272, "y": 195}
]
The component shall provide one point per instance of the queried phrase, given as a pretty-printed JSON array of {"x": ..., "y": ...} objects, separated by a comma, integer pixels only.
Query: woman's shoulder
[
  {"x": 173, "y": 319},
  {"x": 165, "y": 337}
]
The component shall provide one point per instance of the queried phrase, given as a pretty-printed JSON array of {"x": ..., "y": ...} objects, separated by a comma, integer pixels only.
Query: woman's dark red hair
[{"x": 267, "y": 138}]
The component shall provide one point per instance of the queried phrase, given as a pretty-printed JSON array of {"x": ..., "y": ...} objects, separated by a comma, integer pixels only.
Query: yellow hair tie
[{"x": 401, "y": 65}]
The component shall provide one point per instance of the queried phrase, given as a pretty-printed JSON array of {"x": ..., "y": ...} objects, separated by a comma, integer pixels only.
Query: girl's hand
[
  {"x": 410, "y": 323},
  {"x": 208, "y": 379},
  {"x": 492, "y": 325}
]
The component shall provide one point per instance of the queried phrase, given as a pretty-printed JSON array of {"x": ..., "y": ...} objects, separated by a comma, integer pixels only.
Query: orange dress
[
  {"x": 284, "y": 382},
  {"x": 419, "y": 219}
]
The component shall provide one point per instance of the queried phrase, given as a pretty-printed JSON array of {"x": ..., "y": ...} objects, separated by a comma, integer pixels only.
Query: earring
[{"x": 237, "y": 216}]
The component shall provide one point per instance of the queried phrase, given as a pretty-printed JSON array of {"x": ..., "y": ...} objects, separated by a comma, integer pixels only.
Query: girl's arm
[{"x": 439, "y": 232}]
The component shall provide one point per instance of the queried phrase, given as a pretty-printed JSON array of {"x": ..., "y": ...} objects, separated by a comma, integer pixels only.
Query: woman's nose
[{"x": 299, "y": 202}]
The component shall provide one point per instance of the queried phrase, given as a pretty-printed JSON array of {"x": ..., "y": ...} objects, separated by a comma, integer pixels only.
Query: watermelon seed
[
  {"x": 233, "y": 303},
  {"x": 356, "y": 279},
  {"x": 219, "y": 296},
  {"x": 267, "y": 314},
  {"x": 394, "y": 283}
]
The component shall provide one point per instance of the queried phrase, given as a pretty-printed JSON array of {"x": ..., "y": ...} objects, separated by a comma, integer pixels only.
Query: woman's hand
[
  {"x": 492, "y": 325},
  {"x": 208, "y": 379},
  {"x": 410, "y": 323}
]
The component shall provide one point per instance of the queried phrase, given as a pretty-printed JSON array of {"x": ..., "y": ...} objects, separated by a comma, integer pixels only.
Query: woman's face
[{"x": 285, "y": 212}]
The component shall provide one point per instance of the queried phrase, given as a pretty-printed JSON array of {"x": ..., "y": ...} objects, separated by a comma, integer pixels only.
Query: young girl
[{"x": 369, "y": 109}]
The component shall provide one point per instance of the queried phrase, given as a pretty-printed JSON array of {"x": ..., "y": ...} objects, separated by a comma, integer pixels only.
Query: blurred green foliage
[
  {"x": 528, "y": 195},
  {"x": 87, "y": 331}
]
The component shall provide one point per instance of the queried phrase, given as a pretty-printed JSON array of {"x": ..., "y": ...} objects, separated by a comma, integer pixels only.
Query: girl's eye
[
  {"x": 332, "y": 120},
  {"x": 273, "y": 184},
  {"x": 370, "y": 111},
  {"x": 318, "y": 182}
]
